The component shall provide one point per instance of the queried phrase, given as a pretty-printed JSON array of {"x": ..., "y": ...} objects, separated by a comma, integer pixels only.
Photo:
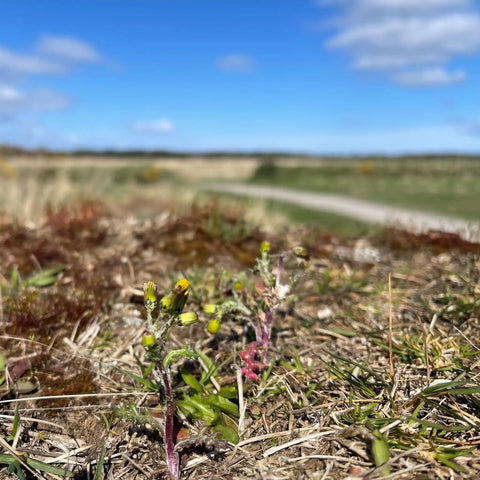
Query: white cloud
[
  {"x": 14, "y": 100},
  {"x": 51, "y": 55},
  {"x": 19, "y": 64},
  {"x": 399, "y": 41},
  {"x": 9, "y": 93},
  {"x": 429, "y": 77},
  {"x": 395, "y": 34},
  {"x": 67, "y": 48},
  {"x": 235, "y": 63},
  {"x": 159, "y": 126}
]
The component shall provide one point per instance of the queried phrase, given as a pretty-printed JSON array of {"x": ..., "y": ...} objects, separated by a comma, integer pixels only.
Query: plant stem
[
  {"x": 267, "y": 330},
  {"x": 173, "y": 461}
]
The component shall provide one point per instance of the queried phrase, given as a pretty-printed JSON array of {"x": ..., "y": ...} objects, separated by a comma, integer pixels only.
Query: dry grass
[{"x": 325, "y": 407}]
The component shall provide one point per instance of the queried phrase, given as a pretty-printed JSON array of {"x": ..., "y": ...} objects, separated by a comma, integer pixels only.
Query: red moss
[{"x": 437, "y": 240}]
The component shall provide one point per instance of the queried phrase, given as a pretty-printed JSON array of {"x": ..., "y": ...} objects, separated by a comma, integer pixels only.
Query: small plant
[
  {"x": 170, "y": 314},
  {"x": 269, "y": 295},
  {"x": 43, "y": 278}
]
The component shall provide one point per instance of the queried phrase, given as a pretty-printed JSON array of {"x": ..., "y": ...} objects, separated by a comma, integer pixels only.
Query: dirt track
[{"x": 362, "y": 210}]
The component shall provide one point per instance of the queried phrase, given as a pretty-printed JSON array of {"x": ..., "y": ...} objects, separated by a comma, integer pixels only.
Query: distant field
[
  {"x": 28, "y": 185},
  {"x": 448, "y": 187}
]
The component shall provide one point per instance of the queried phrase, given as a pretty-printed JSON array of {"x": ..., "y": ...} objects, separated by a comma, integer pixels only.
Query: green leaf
[
  {"x": 44, "y": 278},
  {"x": 25, "y": 386},
  {"x": 228, "y": 392},
  {"x": 14, "y": 466},
  {"x": 14, "y": 278},
  {"x": 446, "y": 459},
  {"x": 99, "y": 470},
  {"x": 191, "y": 381},
  {"x": 444, "y": 428},
  {"x": 200, "y": 409},
  {"x": 212, "y": 369},
  {"x": 143, "y": 381},
  {"x": 223, "y": 404},
  {"x": 448, "y": 387},
  {"x": 227, "y": 433},
  {"x": 174, "y": 355},
  {"x": 381, "y": 452},
  {"x": 16, "y": 422}
]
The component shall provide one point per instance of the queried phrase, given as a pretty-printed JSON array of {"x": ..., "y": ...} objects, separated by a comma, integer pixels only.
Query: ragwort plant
[
  {"x": 200, "y": 398},
  {"x": 169, "y": 315}
]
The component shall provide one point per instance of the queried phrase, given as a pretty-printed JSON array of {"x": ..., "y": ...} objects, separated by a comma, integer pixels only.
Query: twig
[
  {"x": 242, "y": 404},
  {"x": 329, "y": 457},
  {"x": 81, "y": 395},
  {"x": 273, "y": 450},
  {"x": 466, "y": 338},
  {"x": 425, "y": 349},
  {"x": 390, "y": 327},
  {"x": 136, "y": 465},
  {"x": 19, "y": 458},
  {"x": 206, "y": 369}
]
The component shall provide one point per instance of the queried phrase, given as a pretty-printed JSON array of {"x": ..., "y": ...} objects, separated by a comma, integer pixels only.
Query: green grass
[
  {"x": 448, "y": 187},
  {"x": 274, "y": 212}
]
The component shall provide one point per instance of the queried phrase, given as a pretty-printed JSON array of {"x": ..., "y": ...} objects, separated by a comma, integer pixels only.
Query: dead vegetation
[{"x": 327, "y": 408}]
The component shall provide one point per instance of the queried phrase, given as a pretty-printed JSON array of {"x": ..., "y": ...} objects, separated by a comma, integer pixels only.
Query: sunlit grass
[{"x": 448, "y": 187}]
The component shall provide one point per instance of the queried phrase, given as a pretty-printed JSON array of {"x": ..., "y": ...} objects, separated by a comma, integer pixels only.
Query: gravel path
[{"x": 357, "y": 209}]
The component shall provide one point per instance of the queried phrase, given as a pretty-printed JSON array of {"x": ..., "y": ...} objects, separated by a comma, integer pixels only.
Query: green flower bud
[
  {"x": 210, "y": 308},
  {"x": 187, "y": 318},
  {"x": 214, "y": 326},
  {"x": 265, "y": 249},
  {"x": 265, "y": 246},
  {"x": 150, "y": 296},
  {"x": 148, "y": 339}
]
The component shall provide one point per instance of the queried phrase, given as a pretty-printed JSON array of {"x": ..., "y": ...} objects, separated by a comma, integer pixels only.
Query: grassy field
[
  {"x": 450, "y": 187},
  {"x": 281, "y": 351},
  {"x": 28, "y": 187}
]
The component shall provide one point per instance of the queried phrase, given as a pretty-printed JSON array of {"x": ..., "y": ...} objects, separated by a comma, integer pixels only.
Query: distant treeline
[{"x": 9, "y": 150}]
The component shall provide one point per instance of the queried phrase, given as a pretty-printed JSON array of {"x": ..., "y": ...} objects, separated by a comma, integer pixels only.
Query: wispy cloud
[
  {"x": 14, "y": 100},
  {"x": 429, "y": 77},
  {"x": 235, "y": 63},
  {"x": 158, "y": 126},
  {"x": 12, "y": 63},
  {"x": 393, "y": 35},
  {"x": 51, "y": 55},
  {"x": 67, "y": 48}
]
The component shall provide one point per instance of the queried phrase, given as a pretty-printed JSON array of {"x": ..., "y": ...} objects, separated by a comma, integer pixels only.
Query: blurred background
[{"x": 374, "y": 99}]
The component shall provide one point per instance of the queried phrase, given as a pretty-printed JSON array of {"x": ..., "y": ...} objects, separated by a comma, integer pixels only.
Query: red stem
[{"x": 173, "y": 461}]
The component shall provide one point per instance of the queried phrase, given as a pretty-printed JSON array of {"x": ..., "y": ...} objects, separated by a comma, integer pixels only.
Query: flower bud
[
  {"x": 175, "y": 300},
  {"x": 265, "y": 246},
  {"x": 210, "y": 308},
  {"x": 150, "y": 296},
  {"x": 187, "y": 318},
  {"x": 265, "y": 249},
  {"x": 148, "y": 339},
  {"x": 214, "y": 326}
]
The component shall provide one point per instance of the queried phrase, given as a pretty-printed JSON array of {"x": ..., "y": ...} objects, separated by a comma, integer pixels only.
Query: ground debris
[{"x": 329, "y": 395}]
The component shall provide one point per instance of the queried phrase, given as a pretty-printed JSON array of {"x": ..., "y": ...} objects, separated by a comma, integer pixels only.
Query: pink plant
[{"x": 253, "y": 361}]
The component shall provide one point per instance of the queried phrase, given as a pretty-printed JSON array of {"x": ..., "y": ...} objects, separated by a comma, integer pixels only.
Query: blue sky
[{"x": 309, "y": 76}]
